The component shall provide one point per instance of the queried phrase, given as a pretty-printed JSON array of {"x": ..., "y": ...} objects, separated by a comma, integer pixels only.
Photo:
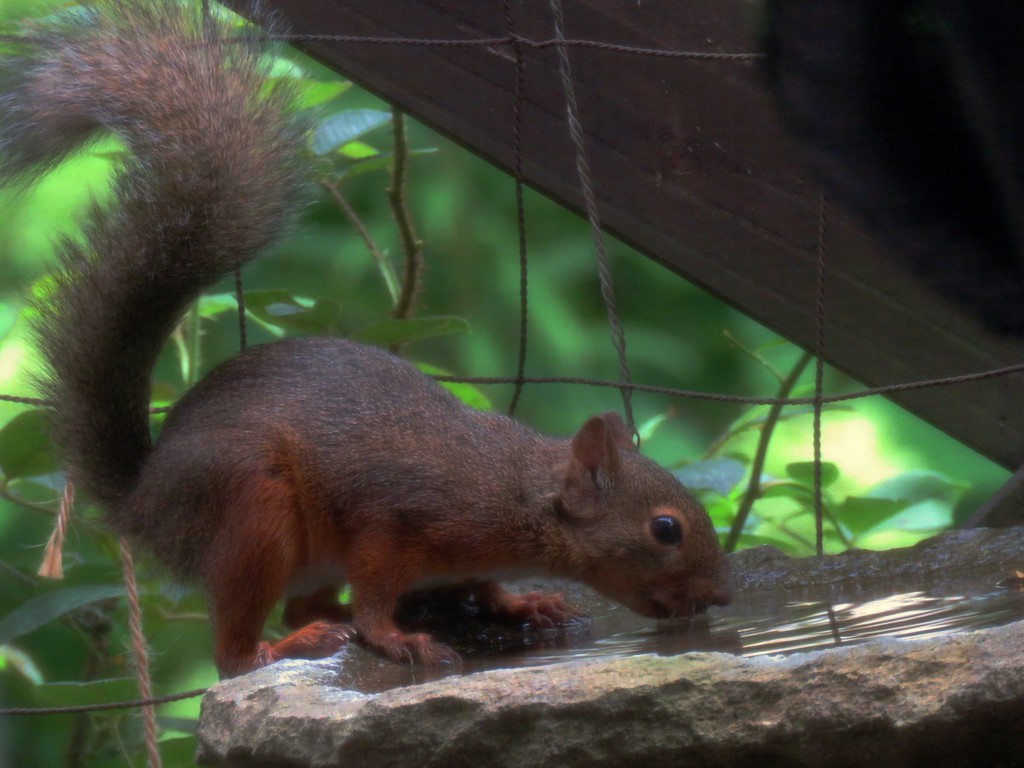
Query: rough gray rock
[
  {"x": 955, "y": 701},
  {"x": 947, "y": 554},
  {"x": 951, "y": 701}
]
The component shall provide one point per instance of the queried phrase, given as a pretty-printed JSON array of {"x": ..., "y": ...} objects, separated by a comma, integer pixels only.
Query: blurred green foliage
[{"x": 888, "y": 478}]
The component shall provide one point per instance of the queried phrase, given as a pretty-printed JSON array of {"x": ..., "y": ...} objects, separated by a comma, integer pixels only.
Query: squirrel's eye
[{"x": 667, "y": 530}]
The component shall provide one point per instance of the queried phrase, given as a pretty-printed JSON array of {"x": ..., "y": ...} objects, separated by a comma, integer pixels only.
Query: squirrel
[{"x": 303, "y": 464}]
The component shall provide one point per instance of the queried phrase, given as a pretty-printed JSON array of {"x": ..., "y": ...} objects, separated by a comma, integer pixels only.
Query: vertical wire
[
  {"x": 819, "y": 373},
  {"x": 517, "y": 170},
  {"x": 590, "y": 203},
  {"x": 240, "y": 300}
]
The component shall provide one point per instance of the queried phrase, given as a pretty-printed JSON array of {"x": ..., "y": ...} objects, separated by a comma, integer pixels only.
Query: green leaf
[
  {"x": 860, "y": 514},
  {"x": 279, "y": 308},
  {"x": 316, "y": 92},
  {"x": 179, "y": 752},
  {"x": 39, "y": 489},
  {"x": 388, "y": 333},
  {"x": 919, "y": 501},
  {"x": 380, "y": 162},
  {"x": 224, "y": 16},
  {"x": 890, "y": 539},
  {"x": 72, "y": 694},
  {"x": 14, "y": 658},
  {"x": 803, "y": 472},
  {"x": 44, "y": 608},
  {"x": 467, "y": 393},
  {"x": 359, "y": 150},
  {"x": 25, "y": 446},
  {"x": 342, "y": 127},
  {"x": 919, "y": 485},
  {"x": 718, "y": 475},
  {"x": 214, "y": 304},
  {"x": 930, "y": 515},
  {"x": 284, "y": 68},
  {"x": 649, "y": 427},
  {"x": 785, "y": 489}
]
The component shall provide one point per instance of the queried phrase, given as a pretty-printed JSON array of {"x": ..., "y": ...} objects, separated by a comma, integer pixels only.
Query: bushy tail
[{"x": 213, "y": 177}]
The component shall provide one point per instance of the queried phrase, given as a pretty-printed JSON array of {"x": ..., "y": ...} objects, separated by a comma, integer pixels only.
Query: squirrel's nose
[
  {"x": 721, "y": 592},
  {"x": 721, "y": 596}
]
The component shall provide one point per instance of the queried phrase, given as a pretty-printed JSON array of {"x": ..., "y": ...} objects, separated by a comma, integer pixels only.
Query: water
[
  {"x": 814, "y": 625},
  {"x": 755, "y": 624}
]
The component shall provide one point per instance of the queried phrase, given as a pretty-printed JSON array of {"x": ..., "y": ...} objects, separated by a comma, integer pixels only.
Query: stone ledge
[
  {"x": 940, "y": 558},
  {"x": 949, "y": 701},
  {"x": 952, "y": 701}
]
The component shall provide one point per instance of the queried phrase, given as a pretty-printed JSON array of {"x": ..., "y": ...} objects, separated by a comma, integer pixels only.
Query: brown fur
[{"x": 306, "y": 463}]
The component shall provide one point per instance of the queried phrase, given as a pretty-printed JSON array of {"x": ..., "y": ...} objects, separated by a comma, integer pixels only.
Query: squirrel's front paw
[
  {"x": 535, "y": 608},
  {"x": 414, "y": 648},
  {"x": 316, "y": 640}
]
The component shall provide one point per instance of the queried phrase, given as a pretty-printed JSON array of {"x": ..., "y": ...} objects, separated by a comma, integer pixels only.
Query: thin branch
[
  {"x": 10, "y": 570},
  {"x": 411, "y": 245},
  {"x": 39, "y": 509},
  {"x": 194, "y": 335},
  {"x": 757, "y": 467},
  {"x": 383, "y": 263}
]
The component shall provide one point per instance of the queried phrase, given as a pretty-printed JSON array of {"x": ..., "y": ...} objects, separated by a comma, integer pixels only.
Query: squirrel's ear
[
  {"x": 618, "y": 430},
  {"x": 595, "y": 445},
  {"x": 594, "y": 461}
]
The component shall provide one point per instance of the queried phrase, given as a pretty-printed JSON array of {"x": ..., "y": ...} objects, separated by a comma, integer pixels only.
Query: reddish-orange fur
[{"x": 262, "y": 544}]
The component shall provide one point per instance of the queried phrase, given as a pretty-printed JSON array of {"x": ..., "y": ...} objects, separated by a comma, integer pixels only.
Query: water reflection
[
  {"x": 803, "y": 626},
  {"x": 754, "y": 625}
]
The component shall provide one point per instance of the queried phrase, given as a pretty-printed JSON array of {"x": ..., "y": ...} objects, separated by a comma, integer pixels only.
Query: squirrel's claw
[
  {"x": 415, "y": 648},
  {"x": 536, "y": 609},
  {"x": 316, "y": 640}
]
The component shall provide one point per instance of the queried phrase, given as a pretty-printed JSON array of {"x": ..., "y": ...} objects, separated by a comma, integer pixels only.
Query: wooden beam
[{"x": 691, "y": 166}]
